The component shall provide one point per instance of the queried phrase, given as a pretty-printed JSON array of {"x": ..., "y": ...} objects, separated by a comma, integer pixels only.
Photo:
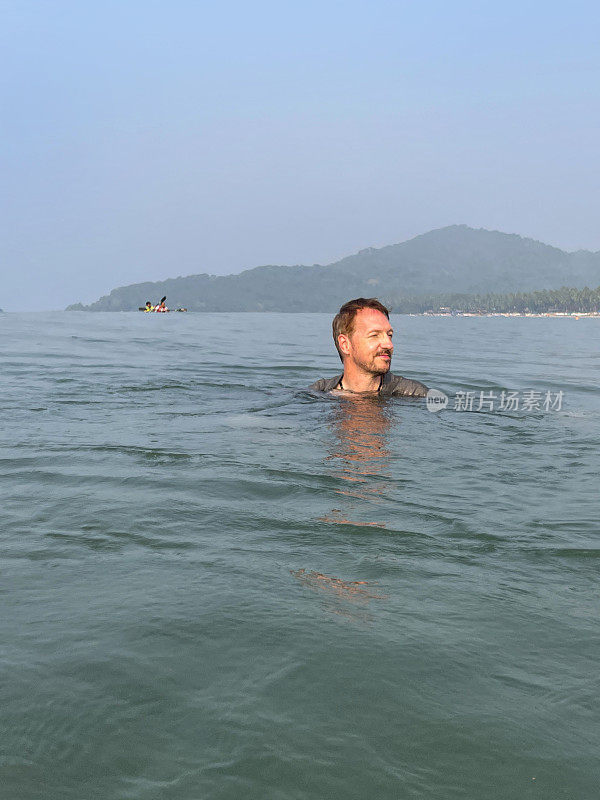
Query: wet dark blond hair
[{"x": 343, "y": 322}]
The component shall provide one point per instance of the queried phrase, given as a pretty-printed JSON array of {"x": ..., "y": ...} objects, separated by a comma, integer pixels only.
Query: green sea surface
[{"x": 216, "y": 584}]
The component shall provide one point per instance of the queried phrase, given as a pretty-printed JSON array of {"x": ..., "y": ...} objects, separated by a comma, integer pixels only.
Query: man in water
[{"x": 363, "y": 337}]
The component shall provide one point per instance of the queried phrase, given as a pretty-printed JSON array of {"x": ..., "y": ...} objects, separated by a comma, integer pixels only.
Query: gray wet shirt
[{"x": 391, "y": 385}]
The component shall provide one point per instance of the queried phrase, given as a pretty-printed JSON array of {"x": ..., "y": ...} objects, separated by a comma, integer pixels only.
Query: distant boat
[
  {"x": 159, "y": 308},
  {"x": 152, "y": 310}
]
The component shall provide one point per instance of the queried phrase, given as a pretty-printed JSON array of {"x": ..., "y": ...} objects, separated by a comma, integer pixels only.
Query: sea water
[{"x": 218, "y": 585}]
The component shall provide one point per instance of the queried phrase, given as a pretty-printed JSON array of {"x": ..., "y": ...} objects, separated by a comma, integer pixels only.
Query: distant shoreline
[{"x": 560, "y": 314}]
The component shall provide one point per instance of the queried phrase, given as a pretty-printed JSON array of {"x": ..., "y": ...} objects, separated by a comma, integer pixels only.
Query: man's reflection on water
[
  {"x": 350, "y": 599},
  {"x": 359, "y": 459},
  {"x": 360, "y": 456}
]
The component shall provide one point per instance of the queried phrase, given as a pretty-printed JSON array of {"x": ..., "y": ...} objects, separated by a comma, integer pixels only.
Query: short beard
[{"x": 372, "y": 369}]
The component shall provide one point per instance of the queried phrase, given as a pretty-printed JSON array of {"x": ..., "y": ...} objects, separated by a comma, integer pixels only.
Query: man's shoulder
[
  {"x": 392, "y": 385},
  {"x": 402, "y": 387},
  {"x": 325, "y": 384}
]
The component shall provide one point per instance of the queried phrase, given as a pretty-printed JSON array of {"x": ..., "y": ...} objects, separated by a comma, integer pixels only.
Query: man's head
[{"x": 363, "y": 335}]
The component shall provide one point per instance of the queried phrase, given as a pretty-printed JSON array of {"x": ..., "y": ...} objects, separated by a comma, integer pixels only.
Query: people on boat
[{"x": 160, "y": 307}]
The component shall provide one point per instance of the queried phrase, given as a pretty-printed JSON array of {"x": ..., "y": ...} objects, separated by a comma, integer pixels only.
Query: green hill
[{"x": 455, "y": 259}]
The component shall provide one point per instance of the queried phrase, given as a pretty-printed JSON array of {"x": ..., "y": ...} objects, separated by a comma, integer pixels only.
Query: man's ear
[{"x": 344, "y": 344}]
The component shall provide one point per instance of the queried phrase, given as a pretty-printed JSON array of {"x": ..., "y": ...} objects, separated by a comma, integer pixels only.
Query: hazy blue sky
[{"x": 146, "y": 140}]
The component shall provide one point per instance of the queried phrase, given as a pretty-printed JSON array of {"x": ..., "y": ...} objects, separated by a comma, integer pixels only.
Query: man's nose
[{"x": 387, "y": 342}]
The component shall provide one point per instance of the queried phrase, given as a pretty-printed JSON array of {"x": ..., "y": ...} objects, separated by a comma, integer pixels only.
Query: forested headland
[{"x": 457, "y": 265}]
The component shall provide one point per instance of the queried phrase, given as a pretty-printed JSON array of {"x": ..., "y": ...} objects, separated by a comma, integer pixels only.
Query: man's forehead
[{"x": 372, "y": 319}]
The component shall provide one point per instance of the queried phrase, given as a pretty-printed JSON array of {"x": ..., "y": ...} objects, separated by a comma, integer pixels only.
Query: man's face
[{"x": 369, "y": 345}]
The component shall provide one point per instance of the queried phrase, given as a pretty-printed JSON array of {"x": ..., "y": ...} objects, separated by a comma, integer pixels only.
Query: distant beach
[{"x": 561, "y": 314}]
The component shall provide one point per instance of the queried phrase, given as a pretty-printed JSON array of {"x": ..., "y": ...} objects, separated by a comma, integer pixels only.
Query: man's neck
[{"x": 354, "y": 380}]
